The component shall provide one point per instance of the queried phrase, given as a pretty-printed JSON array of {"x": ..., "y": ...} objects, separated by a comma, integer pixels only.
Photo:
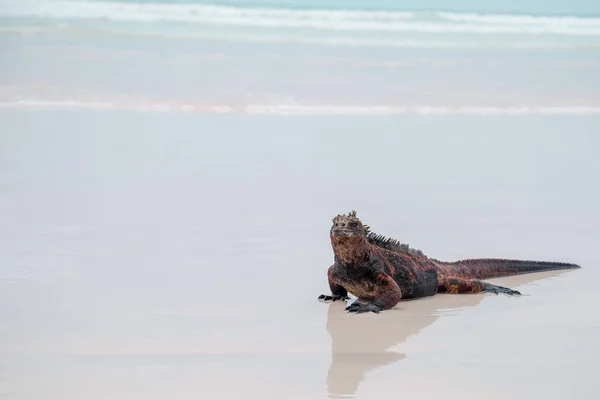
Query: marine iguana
[{"x": 380, "y": 271}]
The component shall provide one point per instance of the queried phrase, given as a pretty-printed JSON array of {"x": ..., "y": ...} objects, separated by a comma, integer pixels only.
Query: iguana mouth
[{"x": 343, "y": 231}]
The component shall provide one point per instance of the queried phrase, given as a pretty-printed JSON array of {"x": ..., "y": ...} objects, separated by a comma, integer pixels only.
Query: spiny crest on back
[{"x": 392, "y": 244}]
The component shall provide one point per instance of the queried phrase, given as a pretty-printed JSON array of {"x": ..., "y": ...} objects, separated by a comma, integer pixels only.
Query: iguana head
[{"x": 348, "y": 238}]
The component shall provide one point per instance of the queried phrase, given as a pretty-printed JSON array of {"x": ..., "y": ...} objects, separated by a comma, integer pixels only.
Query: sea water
[{"x": 302, "y": 57}]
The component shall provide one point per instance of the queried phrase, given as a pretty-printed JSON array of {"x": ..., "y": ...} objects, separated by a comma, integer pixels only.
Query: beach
[
  {"x": 169, "y": 172},
  {"x": 154, "y": 260}
]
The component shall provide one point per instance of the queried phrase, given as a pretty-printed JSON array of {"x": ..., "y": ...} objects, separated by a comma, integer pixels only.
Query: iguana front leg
[
  {"x": 338, "y": 292},
  {"x": 462, "y": 285},
  {"x": 385, "y": 294}
]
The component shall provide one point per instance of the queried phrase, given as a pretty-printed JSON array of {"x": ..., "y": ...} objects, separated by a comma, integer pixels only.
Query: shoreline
[{"x": 297, "y": 109}]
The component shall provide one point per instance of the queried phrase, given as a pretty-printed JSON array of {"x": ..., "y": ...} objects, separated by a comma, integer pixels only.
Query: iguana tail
[{"x": 486, "y": 268}]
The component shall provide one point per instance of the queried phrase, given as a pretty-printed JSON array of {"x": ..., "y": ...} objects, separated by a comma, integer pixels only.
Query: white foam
[
  {"x": 507, "y": 19},
  {"x": 272, "y": 18},
  {"x": 149, "y": 12},
  {"x": 299, "y": 109},
  {"x": 60, "y": 104}
]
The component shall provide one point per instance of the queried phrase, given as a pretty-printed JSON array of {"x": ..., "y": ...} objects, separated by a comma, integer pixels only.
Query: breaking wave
[{"x": 279, "y": 18}]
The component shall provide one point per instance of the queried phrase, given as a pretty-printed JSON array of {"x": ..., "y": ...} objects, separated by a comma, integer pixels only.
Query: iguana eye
[{"x": 353, "y": 224}]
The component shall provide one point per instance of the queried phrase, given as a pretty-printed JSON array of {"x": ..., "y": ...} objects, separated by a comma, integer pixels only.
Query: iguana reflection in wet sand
[{"x": 359, "y": 346}]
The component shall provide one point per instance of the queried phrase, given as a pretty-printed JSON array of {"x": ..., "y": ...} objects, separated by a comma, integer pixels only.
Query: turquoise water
[
  {"x": 302, "y": 56},
  {"x": 432, "y": 24},
  {"x": 420, "y": 25}
]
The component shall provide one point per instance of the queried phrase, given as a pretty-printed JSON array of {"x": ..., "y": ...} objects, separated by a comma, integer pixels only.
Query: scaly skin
[{"x": 381, "y": 271}]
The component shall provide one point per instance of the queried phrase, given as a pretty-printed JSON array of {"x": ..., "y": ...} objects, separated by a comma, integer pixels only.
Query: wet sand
[{"x": 150, "y": 256}]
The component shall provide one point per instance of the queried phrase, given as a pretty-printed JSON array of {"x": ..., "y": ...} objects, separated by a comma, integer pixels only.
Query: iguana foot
[
  {"x": 360, "y": 308},
  {"x": 488, "y": 287},
  {"x": 333, "y": 297}
]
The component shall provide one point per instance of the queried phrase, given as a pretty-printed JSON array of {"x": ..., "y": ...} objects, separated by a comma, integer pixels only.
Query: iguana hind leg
[{"x": 462, "y": 285}]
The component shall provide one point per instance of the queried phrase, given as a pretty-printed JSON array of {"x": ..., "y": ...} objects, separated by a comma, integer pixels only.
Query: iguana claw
[
  {"x": 333, "y": 297},
  {"x": 360, "y": 308}
]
